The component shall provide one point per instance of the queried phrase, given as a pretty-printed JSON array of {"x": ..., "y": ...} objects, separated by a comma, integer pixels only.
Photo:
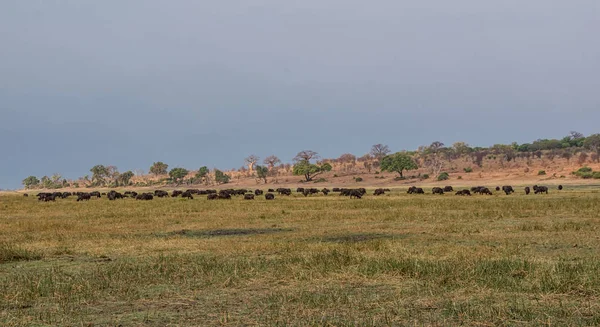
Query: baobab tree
[
  {"x": 306, "y": 155},
  {"x": 379, "y": 151},
  {"x": 271, "y": 161},
  {"x": 251, "y": 160}
]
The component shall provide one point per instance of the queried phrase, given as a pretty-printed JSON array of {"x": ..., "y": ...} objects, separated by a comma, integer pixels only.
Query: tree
[
  {"x": 575, "y": 139},
  {"x": 31, "y": 182},
  {"x": 583, "y": 157},
  {"x": 505, "y": 152},
  {"x": 478, "y": 157},
  {"x": 178, "y": 174},
  {"x": 262, "y": 172},
  {"x": 310, "y": 171},
  {"x": 306, "y": 155},
  {"x": 592, "y": 143},
  {"x": 251, "y": 160},
  {"x": 159, "y": 168},
  {"x": 433, "y": 156},
  {"x": 435, "y": 146},
  {"x": 56, "y": 179},
  {"x": 46, "y": 182},
  {"x": 567, "y": 154},
  {"x": 99, "y": 175},
  {"x": 112, "y": 173},
  {"x": 461, "y": 148},
  {"x": 125, "y": 177},
  {"x": 347, "y": 158},
  {"x": 202, "y": 174},
  {"x": 221, "y": 178},
  {"x": 398, "y": 162},
  {"x": 271, "y": 161},
  {"x": 379, "y": 151}
]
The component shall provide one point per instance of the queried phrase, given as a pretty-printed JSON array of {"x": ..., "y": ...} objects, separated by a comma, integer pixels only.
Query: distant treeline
[{"x": 309, "y": 164}]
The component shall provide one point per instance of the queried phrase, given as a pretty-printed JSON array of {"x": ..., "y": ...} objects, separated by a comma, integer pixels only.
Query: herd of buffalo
[
  {"x": 507, "y": 189},
  {"x": 353, "y": 193}
]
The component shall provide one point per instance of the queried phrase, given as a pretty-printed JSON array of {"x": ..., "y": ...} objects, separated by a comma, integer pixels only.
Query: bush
[
  {"x": 425, "y": 176},
  {"x": 541, "y": 172},
  {"x": 377, "y": 172},
  {"x": 584, "y": 170},
  {"x": 596, "y": 175},
  {"x": 459, "y": 177},
  {"x": 321, "y": 180},
  {"x": 468, "y": 170},
  {"x": 335, "y": 175},
  {"x": 443, "y": 176},
  {"x": 398, "y": 178},
  {"x": 585, "y": 173},
  {"x": 358, "y": 179}
]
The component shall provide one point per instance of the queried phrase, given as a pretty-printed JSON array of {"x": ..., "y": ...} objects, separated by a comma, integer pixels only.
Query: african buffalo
[{"x": 437, "y": 190}]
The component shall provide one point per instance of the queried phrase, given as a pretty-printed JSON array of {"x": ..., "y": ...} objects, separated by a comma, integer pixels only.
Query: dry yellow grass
[{"x": 391, "y": 260}]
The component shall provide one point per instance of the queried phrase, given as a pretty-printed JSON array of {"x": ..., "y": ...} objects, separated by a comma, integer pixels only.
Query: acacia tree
[
  {"x": 221, "y": 178},
  {"x": 159, "y": 168},
  {"x": 398, "y": 162},
  {"x": 126, "y": 177},
  {"x": 262, "y": 172},
  {"x": 99, "y": 175},
  {"x": 251, "y": 160},
  {"x": 310, "y": 171},
  {"x": 178, "y": 174},
  {"x": 31, "y": 182},
  {"x": 379, "y": 151},
  {"x": 202, "y": 174}
]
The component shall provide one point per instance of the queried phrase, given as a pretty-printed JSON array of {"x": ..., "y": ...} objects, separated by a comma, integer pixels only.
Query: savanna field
[{"x": 392, "y": 260}]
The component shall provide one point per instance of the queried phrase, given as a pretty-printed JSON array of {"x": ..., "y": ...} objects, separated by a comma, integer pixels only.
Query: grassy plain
[{"x": 317, "y": 261}]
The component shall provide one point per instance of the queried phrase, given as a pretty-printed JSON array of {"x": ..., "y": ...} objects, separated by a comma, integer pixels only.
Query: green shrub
[
  {"x": 459, "y": 177},
  {"x": 335, "y": 175},
  {"x": 358, "y": 179},
  {"x": 377, "y": 172},
  {"x": 468, "y": 170},
  {"x": 321, "y": 180},
  {"x": 585, "y": 173},
  {"x": 443, "y": 176},
  {"x": 596, "y": 175},
  {"x": 398, "y": 178},
  {"x": 541, "y": 172},
  {"x": 425, "y": 176}
]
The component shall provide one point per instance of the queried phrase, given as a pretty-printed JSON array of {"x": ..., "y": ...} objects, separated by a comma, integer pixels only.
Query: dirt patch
[
  {"x": 359, "y": 237},
  {"x": 229, "y": 232}
]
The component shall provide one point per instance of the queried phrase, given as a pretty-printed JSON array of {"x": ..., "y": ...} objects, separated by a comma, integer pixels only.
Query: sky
[{"x": 194, "y": 82}]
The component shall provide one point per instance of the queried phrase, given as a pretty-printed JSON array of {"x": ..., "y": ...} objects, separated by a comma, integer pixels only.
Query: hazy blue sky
[{"x": 196, "y": 82}]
